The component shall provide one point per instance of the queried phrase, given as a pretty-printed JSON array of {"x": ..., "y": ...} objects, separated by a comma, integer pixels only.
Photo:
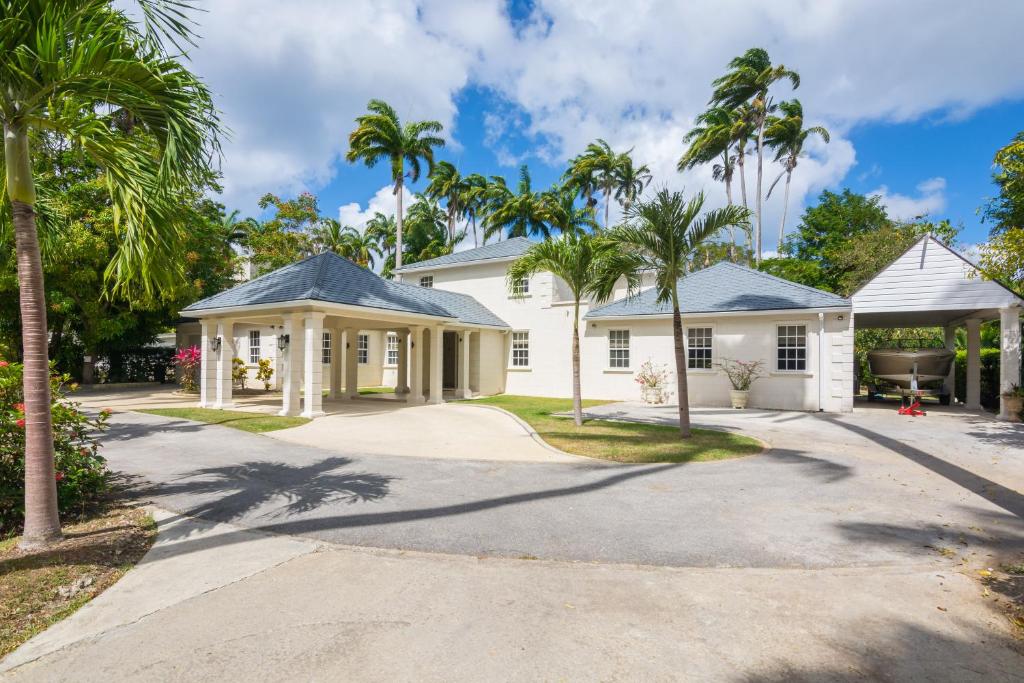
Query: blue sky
[{"x": 918, "y": 94}]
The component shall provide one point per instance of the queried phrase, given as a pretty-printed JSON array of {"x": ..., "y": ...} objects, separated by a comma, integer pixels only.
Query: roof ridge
[{"x": 781, "y": 279}]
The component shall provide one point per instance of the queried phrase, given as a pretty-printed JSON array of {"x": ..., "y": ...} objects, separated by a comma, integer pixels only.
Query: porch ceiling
[{"x": 936, "y": 318}]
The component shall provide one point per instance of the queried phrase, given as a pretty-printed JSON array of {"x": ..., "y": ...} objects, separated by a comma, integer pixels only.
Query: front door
[{"x": 449, "y": 375}]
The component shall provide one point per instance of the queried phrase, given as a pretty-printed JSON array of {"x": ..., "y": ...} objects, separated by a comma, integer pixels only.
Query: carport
[{"x": 931, "y": 285}]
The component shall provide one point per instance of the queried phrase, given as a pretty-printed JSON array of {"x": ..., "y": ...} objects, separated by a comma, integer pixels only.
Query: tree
[
  {"x": 82, "y": 70},
  {"x": 787, "y": 136},
  {"x": 561, "y": 212},
  {"x": 286, "y": 237},
  {"x": 448, "y": 184},
  {"x": 346, "y": 241},
  {"x": 662, "y": 234},
  {"x": 590, "y": 266},
  {"x": 599, "y": 167},
  {"x": 428, "y": 233},
  {"x": 379, "y": 135},
  {"x": 1002, "y": 258},
  {"x": 474, "y": 200},
  {"x": 630, "y": 181},
  {"x": 1006, "y": 210},
  {"x": 383, "y": 230},
  {"x": 750, "y": 77},
  {"x": 516, "y": 214}
]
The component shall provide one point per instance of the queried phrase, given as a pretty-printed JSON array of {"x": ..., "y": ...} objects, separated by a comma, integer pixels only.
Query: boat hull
[{"x": 901, "y": 367}]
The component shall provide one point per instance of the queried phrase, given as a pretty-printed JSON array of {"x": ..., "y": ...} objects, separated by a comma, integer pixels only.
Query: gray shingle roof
[
  {"x": 509, "y": 248},
  {"x": 725, "y": 287},
  {"x": 331, "y": 278}
]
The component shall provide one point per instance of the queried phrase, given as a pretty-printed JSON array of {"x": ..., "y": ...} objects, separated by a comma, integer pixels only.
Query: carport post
[
  {"x": 336, "y": 362},
  {"x": 402, "y": 381},
  {"x": 313, "y": 373},
  {"x": 416, "y": 366},
  {"x": 973, "y": 401},
  {"x": 436, "y": 360},
  {"x": 351, "y": 363},
  {"x": 290, "y": 395},
  {"x": 1009, "y": 355},
  {"x": 224, "y": 355},
  {"x": 207, "y": 364},
  {"x": 464, "y": 391},
  {"x": 950, "y": 383}
]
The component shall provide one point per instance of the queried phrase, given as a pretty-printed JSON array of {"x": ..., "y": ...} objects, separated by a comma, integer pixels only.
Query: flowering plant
[
  {"x": 81, "y": 475},
  {"x": 239, "y": 372},
  {"x": 264, "y": 373},
  {"x": 188, "y": 360},
  {"x": 742, "y": 374},
  {"x": 652, "y": 380}
]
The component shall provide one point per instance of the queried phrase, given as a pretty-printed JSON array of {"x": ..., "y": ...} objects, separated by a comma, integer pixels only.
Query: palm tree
[
  {"x": 380, "y": 135},
  {"x": 448, "y": 184},
  {"x": 748, "y": 81},
  {"x": 519, "y": 214},
  {"x": 590, "y": 266},
  {"x": 597, "y": 167},
  {"x": 428, "y": 233},
  {"x": 663, "y": 234},
  {"x": 581, "y": 177},
  {"x": 630, "y": 180},
  {"x": 474, "y": 200},
  {"x": 67, "y": 65},
  {"x": 383, "y": 230},
  {"x": 358, "y": 247},
  {"x": 786, "y": 135},
  {"x": 561, "y": 212}
]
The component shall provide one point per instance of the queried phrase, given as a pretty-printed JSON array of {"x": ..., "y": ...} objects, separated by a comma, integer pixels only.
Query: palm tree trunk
[
  {"x": 743, "y": 176},
  {"x": 577, "y": 393},
  {"x": 398, "y": 222},
  {"x": 682, "y": 392},
  {"x": 760, "y": 159},
  {"x": 607, "y": 206},
  {"x": 727, "y": 177},
  {"x": 785, "y": 208},
  {"x": 42, "y": 521},
  {"x": 473, "y": 218}
]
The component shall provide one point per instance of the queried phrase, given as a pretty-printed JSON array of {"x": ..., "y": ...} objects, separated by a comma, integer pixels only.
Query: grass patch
[
  {"x": 95, "y": 553},
  {"x": 376, "y": 390},
  {"x": 236, "y": 419},
  {"x": 621, "y": 441}
]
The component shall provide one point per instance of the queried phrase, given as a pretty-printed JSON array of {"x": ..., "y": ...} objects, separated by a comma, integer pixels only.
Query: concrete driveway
[{"x": 843, "y": 553}]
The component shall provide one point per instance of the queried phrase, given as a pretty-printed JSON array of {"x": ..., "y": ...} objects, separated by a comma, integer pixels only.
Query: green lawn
[
  {"x": 621, "y": 441},
  {"x": 236, "y": 419}
]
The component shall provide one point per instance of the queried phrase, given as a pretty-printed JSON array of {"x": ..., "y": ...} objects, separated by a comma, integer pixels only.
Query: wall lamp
[
  {"x": 282, "y": 341},
  {"x": 215, "y": 344}
]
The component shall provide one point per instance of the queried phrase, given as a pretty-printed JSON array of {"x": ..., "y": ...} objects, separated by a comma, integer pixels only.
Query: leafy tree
[
  {"x": 358, "y": 247},
  {"x": 516, "y": 214},
  {"x": 662, "y": 234},
  {"x": 380, "y": 135},
  {"x": 1006, "y": 210},
  {"x": 558, "y": 206},
  {"x": 787, "y": 136},
  {"x": 748, "y": 81},
  {"x": 1002, "y": 258},
  {"x": 286, "y": 237},
  {"x": 590, "y": 266},
  {"x": 428, "y": 232},
  {"x": 383, "y": 230},
  {"x": 84, "y": 71}
]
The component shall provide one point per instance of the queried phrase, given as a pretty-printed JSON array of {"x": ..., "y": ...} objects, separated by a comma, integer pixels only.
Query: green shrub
[
  {"x": 989, "y": 377},
  {"x": 264, "y": 373},
  {"x": 82, "y": 475},
  {"x": 239, "y": 372}
]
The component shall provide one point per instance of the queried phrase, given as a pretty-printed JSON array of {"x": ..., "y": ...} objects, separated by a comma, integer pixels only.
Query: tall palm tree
[
  {"x": 517, "y": 214},
  {"x": 630, "y": 180},
  {"x": 428, "y": 234},
  {"x": 380, "y": 135},
  {"x": 786, "y": 135},
  {"x": 383, "y": 230},
  {"x": 358, "y": 247},
  {"x": 67, "y": 64},
  {"x": 590, "y": 265},
  {"x": 662, "y": 234},
  {"x": 598, "y": 166},
  {"x": 582, "y": 178},
  {"x": 448, "y": 184},
  {"x": 748, "y": 81},
  {"x": 474, "y": 200},
  {"x": 563, "y": 214}
]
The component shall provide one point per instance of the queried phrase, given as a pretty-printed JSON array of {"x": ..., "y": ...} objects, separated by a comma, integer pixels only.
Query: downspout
[{"x": 821, "y": 361}]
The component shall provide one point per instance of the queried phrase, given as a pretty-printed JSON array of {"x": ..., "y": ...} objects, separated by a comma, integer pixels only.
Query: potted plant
[
  {"x": 1013, "y": 399},
  {"x": 652, "y": 380},
  {"x": 742, "y": 374}
]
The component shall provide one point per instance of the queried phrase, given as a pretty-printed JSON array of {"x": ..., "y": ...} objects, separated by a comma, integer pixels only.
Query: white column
[
  {"x": 436, "y": 363},
  {"x": 292, "y": 375},
  {"x": 226, "y": 335},
  {"x": 950, "y": 382},
  {"x": 312, "y": 379},
  {"x": 973, "y": 396},
  {"x": 1009, "y": 355},
  {"x": 337, "y": 362},
  {"x": 402, "y": 383},
  {"x": 464, "y": 390},
  {"x": 207, "y": 364},
  {"x": 351, "y": 363},
  {"x": 416, "y": 365}
]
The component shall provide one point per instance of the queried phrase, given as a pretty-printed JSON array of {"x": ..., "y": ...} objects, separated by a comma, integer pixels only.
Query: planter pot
[
  {"x": 739, "y": 398},
  {"x": 1014, "y": 405},
  {"x": 652, "y": 395}
]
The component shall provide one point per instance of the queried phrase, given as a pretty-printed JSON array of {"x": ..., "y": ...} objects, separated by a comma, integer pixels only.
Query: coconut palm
[
  {"x": 448, "y": 184},
  {"x": 748, "y": 81},
  {"x": 581, "y": 177},
  {"x": 563, "y": 214},
  {"x": 380, "y": 135},
  {"x": 630, "y": 180},
  {"x": 360, "y": 248},
  {"x": 598, "y": 167},
  {"x": 474, "y": 200},
  {"x": 786, "y": 135},
  {"x": 428, "y": 233},
  {"x": 384, "y": 232},
  {"x": 590, "y": 266},
  {"x": 663, "y": 234},
  {"x": 75, "y": 70},
  {"x": 517, "y": 214}
]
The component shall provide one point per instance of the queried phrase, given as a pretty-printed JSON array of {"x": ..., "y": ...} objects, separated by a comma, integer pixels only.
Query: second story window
[
  {"x": 427, "y": 281},
  {"x": 363, "y": 349},
  {"x": 521, "y": 287}
]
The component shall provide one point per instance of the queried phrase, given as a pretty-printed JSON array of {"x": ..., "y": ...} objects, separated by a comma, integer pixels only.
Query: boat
[{"x": 911, "y": 368}]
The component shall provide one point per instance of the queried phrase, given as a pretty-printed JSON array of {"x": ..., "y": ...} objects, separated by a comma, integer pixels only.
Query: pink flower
[
  {"x": 20, "y": 407},
  {"x": 20, "y": 423},
  {"x": 3, "y": 364},
  {"x": 60, "y": 476},
  {"x": 106, "y": 412}
]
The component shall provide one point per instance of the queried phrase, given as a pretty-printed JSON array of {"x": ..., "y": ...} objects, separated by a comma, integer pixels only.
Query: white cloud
[
  {"x": 382, "y": 201},
  {"x": 931, "y": 200}
]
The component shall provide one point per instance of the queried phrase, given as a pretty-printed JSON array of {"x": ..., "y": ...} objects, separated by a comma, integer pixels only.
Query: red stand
[{"x": 913, "y": 410}]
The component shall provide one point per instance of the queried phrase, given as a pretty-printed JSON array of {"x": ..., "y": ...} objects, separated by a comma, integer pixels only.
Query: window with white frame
[
  {"x": 391, "y": 356},
  {"x": 699, "y": 342},
  {"x": 618, "y": 348},
  {"x": 326, "y": 353},
  {"x": 427, "y": 281},
  {"x": 521, "y": 286},
  {"x": 521, "y": 349},
  {"x": 363, "y": 349},
  {"x": 792, "y": 348},
  {"x": 254, "y": 346}
]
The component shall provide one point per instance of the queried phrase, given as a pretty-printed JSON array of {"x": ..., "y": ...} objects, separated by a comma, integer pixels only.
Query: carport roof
[
  {"x": 330, "y": 278},
  {"x": 725, "y": 287}
]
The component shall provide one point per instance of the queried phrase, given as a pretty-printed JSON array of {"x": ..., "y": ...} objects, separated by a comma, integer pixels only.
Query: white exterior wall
[{"x": 739, "y": 337}]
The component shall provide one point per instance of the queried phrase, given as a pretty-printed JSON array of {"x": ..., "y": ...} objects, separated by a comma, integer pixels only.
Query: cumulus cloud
[
  {"x": 930, "y": 200},
  {"x": 383, "y": 201}
]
